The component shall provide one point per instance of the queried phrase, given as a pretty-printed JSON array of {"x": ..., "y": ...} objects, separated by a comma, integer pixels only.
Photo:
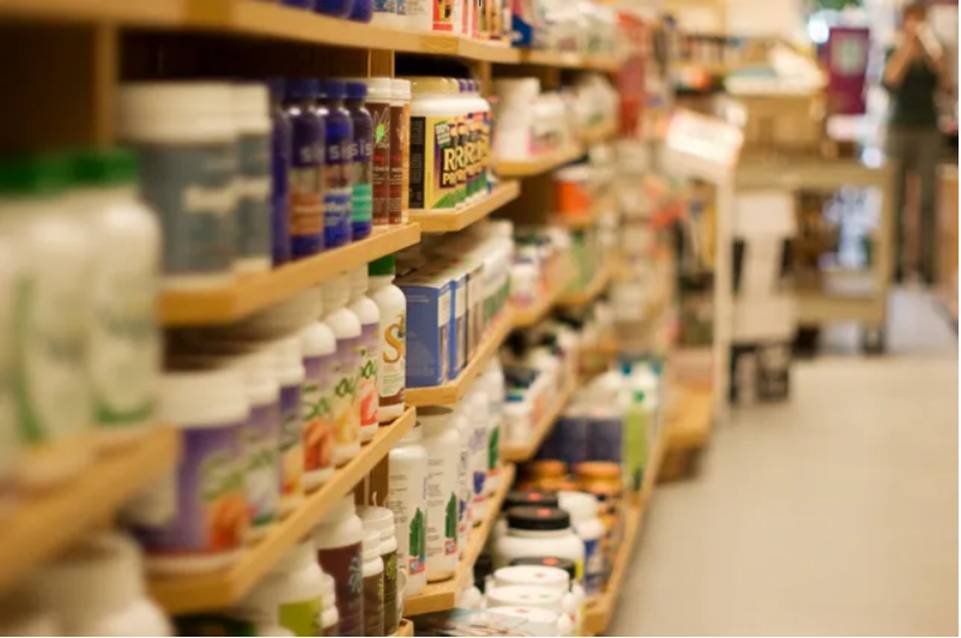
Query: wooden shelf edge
[
  {"x": 41, "y": 525},
  {"x": 538, "y": 165},
  {"x": 445, "y": 222},
  {"x": 246, "y": 295},
  {"x": 531, "y": 316},
  {"x": 594, "y": 289},
  {"x": 221, "y": 589},
  {"x": 520, "y": 453},
  {"x": 599, "y": 134},
  {"x": 406, "y": 628},
  {"x": 442, "y": 595},
  {"x": 452, "y": 392}
]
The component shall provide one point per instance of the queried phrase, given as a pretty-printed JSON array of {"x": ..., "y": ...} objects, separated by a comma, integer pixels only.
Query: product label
[
  {"x": 262, "y": 479},
  {"x": 493, "y": 447},
  {"x": 459, "y": 329},
  {"x": 433, "y": 163},
  {"x": 302, "y": 618},
  {"x": 362, "y": 194},
  {"x": 443, "y": 15},
  {"x": 345, "y": 565},
  {"x": 392, "y": 369},
  {"x": 253, "y": 189},
  {"x": 318, "y": 417},
  {"x": 380, "y": 161},
  {"x": 374, "y": 605},
  {"x": 367, "y": 382},
  {"x": 593, "y": 567},
  {"x": 461, "y": 157},
  {"x": 405, "y": 157},
  {"x": 398, "y": 137},
  {"x": 211, "y": 508},
  {"x": 291, "y": 441},
  {"x": 344, "y": 404},
  {"x": 338, "y": 163},
  {"x": 441, "y": 508},
  {"x": 306, "y": 186},
  {"x": 280, "y": 161},
  {"x": 404, "y": 498},
  {"x": 391, "y": 618}
]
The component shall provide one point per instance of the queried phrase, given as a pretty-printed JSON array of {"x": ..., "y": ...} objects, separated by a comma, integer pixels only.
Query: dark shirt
[{"x": 912, "y": 102}]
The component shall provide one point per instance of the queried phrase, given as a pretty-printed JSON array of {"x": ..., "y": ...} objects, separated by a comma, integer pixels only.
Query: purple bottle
[
  {"x": 336, "y": 8},
  {"x": 306, "y": 176},
  {"x": 362, "y": 196},
  {"x": 363, "y": 11},
  {"x": 301, "y": 4},
  {"x": 339, "y": 134},
  {"x": 279, "y": 167}
]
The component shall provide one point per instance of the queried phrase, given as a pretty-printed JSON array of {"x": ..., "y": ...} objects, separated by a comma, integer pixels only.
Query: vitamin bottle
[
  {"x": 330, "y": 618},
  {"x": 361, "y": 150},
  {"x": 465, "y": 490},
  {"x": 338, "y": 140},
  {"x": 433, "y": 145},
  {"x": 582, "y": 508},
  {"x": 339, "y": 539},
  {"x": 539, "y": 531},
  {"x": 381, "y": 520},
  {"x": 306, "y": 175},
  {"x": 479, "y": 414},
  {"x": 289, "y": 368},
  {"x": 344, "y": 405},
  {"x": 251, "y": 117},
  {"x": 369, "y": 315},
  {"x": 373, "y": 571},
  {"x": 440, "y": 439},
  {"x": 362, "y": 11},
  {"x": 407, "y": 499},
  {"x": 399, "y": 150},
  {"x": 280, "y": 159},
  {"x": 462, "y": 158},
  {"x": 320, "y": 352},
  {"x": 493, "y": 380},
  {"x": 391, "y": 340},
  {"x": 336, "y": 8},
  {"x": 379, "y": 91}
]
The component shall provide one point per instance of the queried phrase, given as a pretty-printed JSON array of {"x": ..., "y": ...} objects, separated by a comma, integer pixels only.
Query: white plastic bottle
[
  {"x": 582, "y": 508},
  {"x": 346, "y": 327},
  {"x": 479, "y": 415},
  {"x": 441, "y": 439},
  {"x": 339, "y": 539},
  {"x": 493, "y": 380},
  {"x": 330, "y": 618},
  {"x": 373, "y": 571},
  {"x": 381, "y": 520},
  {"x": 254, "y": 236},
  {"x": 289, "y": 368},
  {"x": 392, "y": 345},
  {"x": 407, "y": 498},
  {"x": 369, "y": 314},
  {"x": 320, "y": 350},
  {"x": 465, "y": 486}
]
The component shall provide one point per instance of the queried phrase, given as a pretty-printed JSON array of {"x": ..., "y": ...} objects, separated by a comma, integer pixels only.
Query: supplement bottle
[
  {"x": 373, "y": 585},
  {"x": 441, "y": 440},
  {"x": 582, "y": 508},
  {"x": 379, "y": 92},
  {"x": 419, "y": 14},
  {"x": 320, "y": 352},
  {"x": 97, "y": 589},
  {"x": 536, "y": 621},
  {"x": 335, "y": 8},
  {"x": 338, "y": 140},
  {"x": 539, "y": 531},
  {"x": 385, "y": 14},
  {"x": 458, "y": 89},
  {"x": 306, "y": 175},
  {"x": 50, "y": 314},
  {"x": 344, "y": 405},
  {"x": 493, "y": 380},
  {"x": 465, "y": 486},
  {"x": 533, "y": 597},
  {"x": 381, "y": 520},
  {"x": 479, "y": 415},
  {"x": 515, "y": 498},
  {"x": 280, "y": 160},
  {"x": 433, "y": 145},
  {"x": 289, "y": 369},
  {"x": 391, "y": 338},
  {"x": 369, "y": 315},
  {"x": 330, "y": 618},
  {"x": 291, "y": 593},
  {"x": 124, "y": 341},
  {"x": 552, "y": 578},
  {"x": 206, "y": 533},
  {"x": 362, "y": 148},
  {"x": 253, "y": 246},
  {"x": 407, "y": 499},
  {"x": 362, "y": 11},
  {"x": 480, "y": 114},
  {"x": 339, "y": 539},
  {"x": 399, "y": 150}
]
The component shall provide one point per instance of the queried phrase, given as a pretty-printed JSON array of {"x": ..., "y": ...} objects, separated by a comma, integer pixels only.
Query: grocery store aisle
[{"x": 835, "y": 513}]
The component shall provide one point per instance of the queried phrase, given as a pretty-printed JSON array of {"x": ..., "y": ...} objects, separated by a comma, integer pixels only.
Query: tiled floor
[{"x": 835, "y": 513}]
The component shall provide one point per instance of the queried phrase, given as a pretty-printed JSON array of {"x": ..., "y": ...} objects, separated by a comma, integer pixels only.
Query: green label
[{"x": 302, "y": 617}]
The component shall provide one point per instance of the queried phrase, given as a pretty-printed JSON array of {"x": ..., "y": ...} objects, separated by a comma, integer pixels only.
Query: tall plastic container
[
  {"x": 306, "y": 175},
  {"x": 407, "y": 499},
  {"x": 338, "y": 184},
  {"x": 441, "y": 440},
  {"x": 368, "y": 313},
  {"x": 392, "y": 346},
  {"x": 347, "y": 329}
]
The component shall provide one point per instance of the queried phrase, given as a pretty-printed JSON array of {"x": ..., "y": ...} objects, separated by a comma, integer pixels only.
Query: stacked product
[
  {"x": 594, "y": 325},
  {"x": 542, "y": 265},
  {"x": 562, "y": 25}
]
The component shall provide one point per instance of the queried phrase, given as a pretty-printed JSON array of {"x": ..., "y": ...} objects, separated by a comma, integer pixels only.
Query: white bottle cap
[
  {"x": 342, "y": 509},
  {"x": 198, "y": 398},
  {"x": 379, "y": 89},
  {"x": 250, "y": 103},
  {"x": 400, "y": 89},
  {"x": 336, "y": 293},
  {"x": 171, "y": 112}
]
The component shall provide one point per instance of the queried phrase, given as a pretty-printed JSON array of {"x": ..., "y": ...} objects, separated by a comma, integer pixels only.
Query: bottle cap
[
  {"x": 104, "y": 167},
  {"x": 537, "y": 518},
  {"x": 34, "y": 175},
  {"x": 378, "y": 88},
  {"x": 383, "y": 267},
  {"x": 356, "y": 89},
  {"x": 332, "y": 88},
  {"x": 300, "y": 88}
]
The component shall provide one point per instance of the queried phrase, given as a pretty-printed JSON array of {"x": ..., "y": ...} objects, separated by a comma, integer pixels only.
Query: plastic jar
[
  {"x": 280, "y": 160},
  {"x": 97, "y": 589},
  {"x": 479, "y": 414},
  {"x": 319, "y": 346},
  {"x": 440, "y": 439},
  {"x": 407, "y": 499},
  {"x": 361, "y": 205},
  {"x": 433, "y": 144},
  {"x": 400, "y": 110},
  {"x": 516, "y": 498},
  {"x": 577, "y": 593},
  {"x": 307, "y": 173},
  {"x": 381, "y": 520},
  {"x": 536, "y": 531},
  {"x": 338, "y": 163},
  {"x": 338, "y": 539},
  {"x": 582, "y": 508},
  {"x": 291, "y": 593},
  {"x": 368, "y": 313},
  {"x": 525, "y": 595},
  {"x": 330, "y": 618},
  {"x": 187, "y": 142},
  {"x": 252, "y": 121},
  {"x": 344, "y": 405},
  {"x": 373, "y": 570},
  {"x": 206, "y": 532},
  {"x": 599, "y": 473},
  {"x": 391, "y": 345},
  {"x": 379, "y": 96}
]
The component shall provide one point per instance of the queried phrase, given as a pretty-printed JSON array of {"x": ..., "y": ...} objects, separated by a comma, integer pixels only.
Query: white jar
[
  {"x": 124, "y": 342},
  {"x": 550, "y": 578},
  {"x": 435, "y": 109},
  {"x": 524, "y": 596},
  {"x": 289, "y": 370},
  {"x": 320, "y": 351},
  {"x": 582, "y": 508},
  {"x": 291, "y": 593},
  {"x": 539, "y": 531},
  {"x": 493, "y": 381},
  {"x": 339, "y": 539},
  {"x": 391, "y": 345},
  {"x": 330, "y": 619},
  {"x": 346, "y": 409},
  {"x": 465, "y": 484},
  {"x": 441, "y": 440},
  {"x": 254, "y": 235},
  {"x": 97, "y": 589},
  {"x": 373, "y": 571},
  {"x": 536, "y": 622},
  {"x": 407, "y": 499},
  {"x": 479, "y": 414},
  {"x": 369, "y": 314},
  {"x": 381, "y": 520},
  {"x": 210, "y": 409}
]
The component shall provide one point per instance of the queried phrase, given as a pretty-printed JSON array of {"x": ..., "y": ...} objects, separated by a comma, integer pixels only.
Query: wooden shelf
[
  {"x": 594, "y": 288},
  {"x": 255, "y": 292},
  {"x": 445, "y": 222},
  {"x": 599, "y": 133},
  {"x": 406, "y": 628},
  {"x": 181, "y": 594},
  {"x": 690, "y": 424},
  {"x": 442, "y": 595},
  {"x": 451, "y": 393},
  {"x": 525, "y": 317},
  {"x": 538, "y": 165},
  {"x": 42, "y": 525},
  {"x": 518, "y": 453}
]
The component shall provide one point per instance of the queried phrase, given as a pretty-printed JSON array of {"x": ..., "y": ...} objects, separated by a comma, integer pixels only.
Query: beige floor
[{"x": 835, "y": 513}]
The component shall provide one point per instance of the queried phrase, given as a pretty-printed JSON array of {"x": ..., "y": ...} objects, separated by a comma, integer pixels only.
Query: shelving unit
[
  {"x": 443, "y": 595},
  {"x": 45, "y": 523},
  {"x": 251, "y": 293},
  {"x": 446, "y": 222},
  {"x": 594, "y": 288},
  {"x": 525, "y": 317},
  {"x": 218, "y": 590},
  {"x": 518, "y": 453},
  {"x": 452, "y": 392},
  {"x": 542, "y": 164}
]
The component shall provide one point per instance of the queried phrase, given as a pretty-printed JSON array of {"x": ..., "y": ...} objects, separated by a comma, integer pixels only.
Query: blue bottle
[
  {"x": 363, "y": 11},
  {"x": 338, "y": 187},
  {"x": 336, "y": 8},
  {"x": 307, "y": 171},
  {"x": 362, "y": 195},
  {"x": 300, "y": 4},
  {"x": 279, "y": 168}
]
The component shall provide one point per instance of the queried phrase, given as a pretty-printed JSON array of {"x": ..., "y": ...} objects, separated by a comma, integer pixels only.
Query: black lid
[
  {"x": 543, "y": 498},
  {"x": 538, "y": 518},
  {"x": 549, "y": 561}
]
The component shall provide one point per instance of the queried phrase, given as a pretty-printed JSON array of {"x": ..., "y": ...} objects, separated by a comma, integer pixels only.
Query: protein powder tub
[
  {"x": 346, "y": 409},
  {"x": 582, "y": 508},
  {"x": 440, "y": 439},
  {"x": 252, "y": 120},
  {"x": 381, "y": 520},
  {"x": 536, "y": 531},
  {"x": 433, "y": 145},
  {"x": 306, "y": 174},
  {"x": 399, "y": 150},
  {"x": 379, "y": 95},
  {"x": 536, "y": 621},
  {"x": 407, "y": 499},
  {"x": 186, "y": 139},
  {"x": 368, "y": 313},
  {"x": 362, "y": 148},
  {"x": 517, "y": 498},
  {"x": 338, "y": 163},
  {"x": 551, "y": 578},
  {"x": 339, "y": 539},
  {"x": 391, "y": 342},
  {"x": 373, "y": 585}
]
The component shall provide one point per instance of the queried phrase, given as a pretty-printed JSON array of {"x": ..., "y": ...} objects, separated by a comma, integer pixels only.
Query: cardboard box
[{"x": 429, "y": 313}]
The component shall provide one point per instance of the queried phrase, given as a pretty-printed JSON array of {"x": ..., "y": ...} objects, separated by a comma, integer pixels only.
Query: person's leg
[
  {"x": 928, "y": 152},
  {"x": 898, "y": 150}
]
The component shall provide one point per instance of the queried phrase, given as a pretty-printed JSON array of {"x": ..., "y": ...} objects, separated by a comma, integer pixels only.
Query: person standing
[{"x": 913, "y": 74}]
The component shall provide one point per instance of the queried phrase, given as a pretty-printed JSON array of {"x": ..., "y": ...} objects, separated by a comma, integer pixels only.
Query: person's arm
[
  {"x": 899, "y": 62},
  {"x": 933, "y": 54}
]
